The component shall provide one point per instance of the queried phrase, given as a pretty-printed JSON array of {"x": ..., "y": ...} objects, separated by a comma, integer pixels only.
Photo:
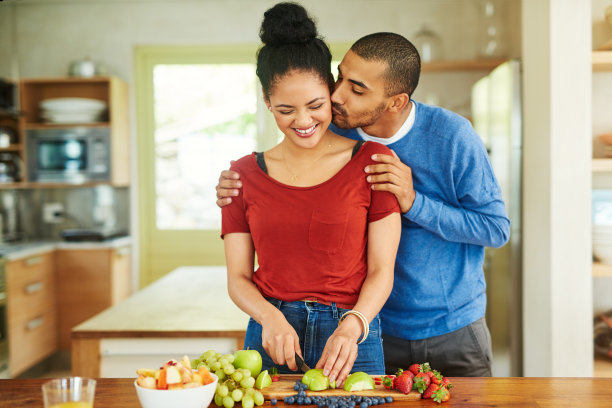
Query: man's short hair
[{"x": 400, "y": 55}]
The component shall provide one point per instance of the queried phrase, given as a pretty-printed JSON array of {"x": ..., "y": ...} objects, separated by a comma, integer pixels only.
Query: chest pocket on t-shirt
[{"x": 327, "y": 230}]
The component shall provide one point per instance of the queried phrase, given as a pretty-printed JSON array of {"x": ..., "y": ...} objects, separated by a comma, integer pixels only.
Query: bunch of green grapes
[{"x": 235, "y": 384}]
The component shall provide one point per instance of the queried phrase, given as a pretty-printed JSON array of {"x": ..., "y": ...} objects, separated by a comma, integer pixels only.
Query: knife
[{"x": 300, "y": 363}]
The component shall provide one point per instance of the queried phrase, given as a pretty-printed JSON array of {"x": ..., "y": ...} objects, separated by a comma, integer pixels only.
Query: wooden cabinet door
[{"x": 90, "y": 280}]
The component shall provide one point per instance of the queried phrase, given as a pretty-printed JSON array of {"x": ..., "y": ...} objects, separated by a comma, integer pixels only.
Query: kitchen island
[
  {"x": 185, "y": 312},
  {"x": 467, "y": 392}
]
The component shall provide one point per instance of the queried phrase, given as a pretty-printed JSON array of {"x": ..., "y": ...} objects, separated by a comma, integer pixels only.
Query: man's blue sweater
[{"x": 439, "y": 282}]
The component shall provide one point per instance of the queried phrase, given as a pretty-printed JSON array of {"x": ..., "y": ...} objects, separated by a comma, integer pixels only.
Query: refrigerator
[{"x": 496, "y": 116}]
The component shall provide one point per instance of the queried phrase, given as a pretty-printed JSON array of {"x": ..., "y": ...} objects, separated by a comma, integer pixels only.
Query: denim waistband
[{"x": 312, "y": 301}]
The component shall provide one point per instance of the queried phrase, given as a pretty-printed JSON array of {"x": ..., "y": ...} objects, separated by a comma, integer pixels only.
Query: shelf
[
  {"x": 601, "y": 270},
  {"x": 601, "y": 165},
  {"x": 602, "y": 60},
  {"x": 462, "y": 65},
  {"x": 16, "y": 148},
  {"x": 29, "y": 184},
  {"x": 64, "y": 125}
]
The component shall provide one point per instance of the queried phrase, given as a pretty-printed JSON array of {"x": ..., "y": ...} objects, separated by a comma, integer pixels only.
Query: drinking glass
[{"x": 69, "y": 392}]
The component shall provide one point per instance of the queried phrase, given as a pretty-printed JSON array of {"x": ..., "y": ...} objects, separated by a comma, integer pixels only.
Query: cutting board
[{"x": 284, "y": 388}]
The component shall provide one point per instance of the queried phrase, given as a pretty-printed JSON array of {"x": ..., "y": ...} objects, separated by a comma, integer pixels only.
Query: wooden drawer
[
  {"x": 30, "y": 284},
  {"x": 31, "y": 340},
  {"x": 31, "y": 310}
]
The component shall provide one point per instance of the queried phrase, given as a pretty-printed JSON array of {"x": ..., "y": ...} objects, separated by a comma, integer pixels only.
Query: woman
[{"x": 325, "y": 241}]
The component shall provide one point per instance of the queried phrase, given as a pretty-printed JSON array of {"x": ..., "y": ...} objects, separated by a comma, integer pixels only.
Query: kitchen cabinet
[
  {"x": 602, "y": 64},
  {"x": 89, "y": 280},
  {"x": 13, "y": 150},
  {"x": 110, "y": 90},
  {"x": 31, "y": 310}
]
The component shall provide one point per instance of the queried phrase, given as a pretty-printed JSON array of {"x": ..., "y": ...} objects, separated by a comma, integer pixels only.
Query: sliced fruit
[
  {"x": 359, "y": 381},
  {"x": 173, "y": 376},
  {"x": 147, "y": 382},
  {"x": 263, "y": 380},
  {"x": 316, "y": 380}
]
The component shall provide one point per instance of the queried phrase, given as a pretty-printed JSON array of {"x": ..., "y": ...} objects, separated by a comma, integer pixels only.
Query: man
[{"x": 450, "y": 201}]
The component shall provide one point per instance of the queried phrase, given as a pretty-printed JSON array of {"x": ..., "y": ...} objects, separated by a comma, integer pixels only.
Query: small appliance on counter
[{"x": 91, "y": 234}]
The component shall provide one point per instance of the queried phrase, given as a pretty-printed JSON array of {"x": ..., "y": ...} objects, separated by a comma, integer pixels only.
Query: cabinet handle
[
  {"x": 123, "y": 251},
  {"x": 34, "y": 287},
  {"x": 35, "y": 323},
  {"x": 35, "y": 260}
]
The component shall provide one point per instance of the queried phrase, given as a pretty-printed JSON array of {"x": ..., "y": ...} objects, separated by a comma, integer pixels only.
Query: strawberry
[
  {"x": 446, "y": 383},
  {"x": 425, "y": 368},
  {"x": 421, "y": 382},
  {"x": 442, "y": 395},
  {"x": 430, "y": 390},
  {"x": 415, "y": 369},
  {"x": 435, "y": 376},
  {"x": 403, "y": 383},
  {"x": 274, "y": 374},
  {"x": 388, "y": 382}
]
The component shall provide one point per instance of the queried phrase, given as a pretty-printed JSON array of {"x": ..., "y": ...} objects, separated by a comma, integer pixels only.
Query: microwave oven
[{"x": 70, "y": 155}]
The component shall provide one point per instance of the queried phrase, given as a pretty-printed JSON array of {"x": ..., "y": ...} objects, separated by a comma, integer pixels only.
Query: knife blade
[{"x": 300, "y": 363}]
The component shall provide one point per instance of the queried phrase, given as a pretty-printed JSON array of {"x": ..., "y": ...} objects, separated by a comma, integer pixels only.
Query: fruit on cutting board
[
  {"x": 315, "y": 380},
  {"x": 263, "y": 380},
  {"x": 359, "y": 381},
  {"x": 422, "y": 378}
]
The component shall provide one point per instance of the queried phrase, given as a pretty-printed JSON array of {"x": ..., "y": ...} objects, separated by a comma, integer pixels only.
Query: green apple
[
  {"x": 315, "y": 379},
  {"x": 249, "y": 359},
  {"x": 359, "y": 381}
]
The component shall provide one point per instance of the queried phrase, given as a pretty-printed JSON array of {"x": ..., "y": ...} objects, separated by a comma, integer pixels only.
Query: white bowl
[
  {"x": 72, "y": 104},
  {"x": 199, "y": 397}
]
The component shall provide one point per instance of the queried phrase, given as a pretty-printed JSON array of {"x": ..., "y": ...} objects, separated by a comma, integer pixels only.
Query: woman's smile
[{"x": 301, "y": 132}]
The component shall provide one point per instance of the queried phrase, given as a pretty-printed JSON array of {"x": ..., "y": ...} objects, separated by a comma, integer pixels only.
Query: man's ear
[{"x": 398, "y": 102}]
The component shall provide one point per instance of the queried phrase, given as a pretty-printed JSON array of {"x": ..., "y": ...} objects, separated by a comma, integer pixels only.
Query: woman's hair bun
[{"x": 287, "y": 23}]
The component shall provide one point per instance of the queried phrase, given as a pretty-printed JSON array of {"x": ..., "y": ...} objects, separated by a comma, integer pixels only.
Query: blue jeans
[{"x": 314, "y": 323}]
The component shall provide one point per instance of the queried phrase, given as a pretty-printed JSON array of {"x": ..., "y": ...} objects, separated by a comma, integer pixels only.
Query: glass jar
[
  {"x": 428, "y": 44},
  {"x": 492, "y": 44}
]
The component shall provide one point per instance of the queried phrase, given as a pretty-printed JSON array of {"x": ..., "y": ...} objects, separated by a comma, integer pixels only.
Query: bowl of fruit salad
[{"x": 175, "y": 384}]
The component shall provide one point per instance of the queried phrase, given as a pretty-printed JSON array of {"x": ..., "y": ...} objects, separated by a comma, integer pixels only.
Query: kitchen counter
[
  {"x": 467, "y": 392},
  {"x": 185, "y": 312},
  {"x": 20, "y": 250}
]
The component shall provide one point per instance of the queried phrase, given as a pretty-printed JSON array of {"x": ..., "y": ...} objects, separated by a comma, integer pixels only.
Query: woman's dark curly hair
[{"x": 291, "y": 42}]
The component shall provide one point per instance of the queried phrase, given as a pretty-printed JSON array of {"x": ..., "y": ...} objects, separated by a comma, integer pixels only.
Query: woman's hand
[
  {"x": 280, "y": 340},
  {"x": 340, "y": 351}
]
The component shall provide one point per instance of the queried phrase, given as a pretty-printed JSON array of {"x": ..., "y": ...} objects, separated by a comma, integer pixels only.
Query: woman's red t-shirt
[{"x": 310, "y": 241}]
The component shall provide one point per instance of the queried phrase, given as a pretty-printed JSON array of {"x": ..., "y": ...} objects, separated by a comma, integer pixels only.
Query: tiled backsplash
[{"x": 90, "y": 207}]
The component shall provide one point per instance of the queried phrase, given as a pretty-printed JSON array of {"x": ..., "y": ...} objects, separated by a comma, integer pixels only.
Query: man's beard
[{"x": 362, "y": 120}]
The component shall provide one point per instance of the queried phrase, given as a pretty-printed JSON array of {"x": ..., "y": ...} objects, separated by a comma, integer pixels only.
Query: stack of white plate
[
  {"x": 602, "y": 243},
  {"x": 72, "y": 110}
]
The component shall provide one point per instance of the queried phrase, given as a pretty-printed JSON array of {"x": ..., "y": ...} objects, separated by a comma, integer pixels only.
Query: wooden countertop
[
  {"x": 468, "y": 392},
  {"x": 188, "y": 302}
]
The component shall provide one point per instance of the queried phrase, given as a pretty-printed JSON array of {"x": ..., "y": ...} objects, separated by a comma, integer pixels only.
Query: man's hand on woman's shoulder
[
  {"x": 229, "y": 183},
  {"x": 393, "y": 176}
]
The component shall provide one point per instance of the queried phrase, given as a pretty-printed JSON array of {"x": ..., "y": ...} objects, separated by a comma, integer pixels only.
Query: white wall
[
  {"x": 51, "y": 33},
  {"x": 557, "y": 282}
]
